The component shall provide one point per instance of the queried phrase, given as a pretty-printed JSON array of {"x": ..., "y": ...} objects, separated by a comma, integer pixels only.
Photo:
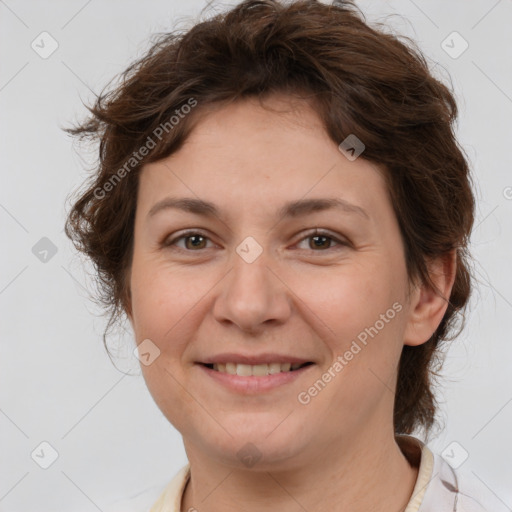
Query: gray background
[{"x": 57, "y": 383}]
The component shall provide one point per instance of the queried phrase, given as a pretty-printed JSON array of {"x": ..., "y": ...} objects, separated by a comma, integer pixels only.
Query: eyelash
[{"x": 316, "y": 232}]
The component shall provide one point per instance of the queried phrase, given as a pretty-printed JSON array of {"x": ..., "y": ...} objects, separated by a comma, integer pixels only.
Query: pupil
[
  {"x": 316, "y": 239},
  {"x": 195, "y": 237}
]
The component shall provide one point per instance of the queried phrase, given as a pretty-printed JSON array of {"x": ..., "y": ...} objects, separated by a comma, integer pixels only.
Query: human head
[{"x": 361, "y": 81}]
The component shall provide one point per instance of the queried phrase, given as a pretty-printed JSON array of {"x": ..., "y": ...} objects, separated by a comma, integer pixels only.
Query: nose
[{"x": 252, "y": 296}]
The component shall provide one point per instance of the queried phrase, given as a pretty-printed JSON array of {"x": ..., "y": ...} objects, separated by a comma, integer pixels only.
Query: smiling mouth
[{"x": 257, "y": 370}]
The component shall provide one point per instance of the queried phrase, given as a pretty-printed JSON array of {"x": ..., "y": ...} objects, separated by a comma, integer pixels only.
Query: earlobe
[{"x": 428, "y": 306}]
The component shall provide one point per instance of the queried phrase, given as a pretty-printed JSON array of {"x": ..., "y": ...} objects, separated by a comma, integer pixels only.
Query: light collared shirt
[{"x": 438, "y": 488}]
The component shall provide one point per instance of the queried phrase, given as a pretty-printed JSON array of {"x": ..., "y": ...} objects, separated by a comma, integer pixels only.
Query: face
[{"x": 297, "y": 258}]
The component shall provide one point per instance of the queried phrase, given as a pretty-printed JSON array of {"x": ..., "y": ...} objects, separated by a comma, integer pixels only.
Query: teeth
[
  {"x": 274, "y": 368},
  {"x": 244, "y": 370},
  {"x": 259, "y": 370}
]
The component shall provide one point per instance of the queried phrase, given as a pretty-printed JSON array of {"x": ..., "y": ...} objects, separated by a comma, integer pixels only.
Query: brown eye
[
  {"x": 196, "y": 241},
  {"x": 193, "y": 241},
  {"x": 320, "y": 241}
]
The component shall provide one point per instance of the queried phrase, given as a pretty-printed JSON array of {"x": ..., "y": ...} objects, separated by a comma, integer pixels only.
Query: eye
[
  {"x": 195, "y": 240},
  {"x": 322, "y": 240}
]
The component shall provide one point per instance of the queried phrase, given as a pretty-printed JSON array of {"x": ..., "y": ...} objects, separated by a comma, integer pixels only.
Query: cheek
[
  {"x": 349, "y": 299},
  {"x": 164, "y": 311},
  {"x": 361, "y": 311},
  {"x": 364, "y": 312},
  {"x": 169, "y": 306},
  {"x": 161, "y": 297}
]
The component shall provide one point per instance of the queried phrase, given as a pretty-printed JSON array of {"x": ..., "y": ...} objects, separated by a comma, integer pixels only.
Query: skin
[{"x": 338, "y": 451}]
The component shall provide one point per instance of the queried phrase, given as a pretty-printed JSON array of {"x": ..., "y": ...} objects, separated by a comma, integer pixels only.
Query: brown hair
[{"x": 363, "y": 80}]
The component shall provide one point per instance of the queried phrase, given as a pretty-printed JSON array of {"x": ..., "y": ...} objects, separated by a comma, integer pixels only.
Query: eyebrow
[{"x": 298, "y": 208}]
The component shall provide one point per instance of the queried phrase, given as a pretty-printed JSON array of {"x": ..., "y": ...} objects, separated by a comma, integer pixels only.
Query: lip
[
  {"x": 266, "y": 358},
  {"x": 253, "y": 384}
]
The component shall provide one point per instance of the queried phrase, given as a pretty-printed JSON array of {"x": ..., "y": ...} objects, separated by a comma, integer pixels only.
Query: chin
[{"x": 259, "y": 446}]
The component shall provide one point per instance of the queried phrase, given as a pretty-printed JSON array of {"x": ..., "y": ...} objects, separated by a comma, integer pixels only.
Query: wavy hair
[{"x": 363, "y": 80}]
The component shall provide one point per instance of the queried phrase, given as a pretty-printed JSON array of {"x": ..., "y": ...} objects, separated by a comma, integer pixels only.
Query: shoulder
[
  {"x": 140, "y": 502},
  {"x": 170, "y": 499},
  {"x": 440, "y": 487},
  {"x": 471, "y": 495},
  {"x": 454, "y": 490}
]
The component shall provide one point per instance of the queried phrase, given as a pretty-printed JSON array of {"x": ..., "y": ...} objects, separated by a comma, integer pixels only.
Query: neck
[{"x": 365, "y": 476}]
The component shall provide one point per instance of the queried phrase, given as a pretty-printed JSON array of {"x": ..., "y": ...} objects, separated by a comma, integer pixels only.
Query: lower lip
[{"x": 254, "y": 384}]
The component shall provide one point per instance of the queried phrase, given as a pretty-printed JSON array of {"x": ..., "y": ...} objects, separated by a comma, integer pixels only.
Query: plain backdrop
[{"x": 57, "y": 384}]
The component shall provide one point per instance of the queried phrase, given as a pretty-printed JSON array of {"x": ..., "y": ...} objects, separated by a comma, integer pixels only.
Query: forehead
[
  {"x": 252, "y": 121},
  {"x": 252, "y": 156}
]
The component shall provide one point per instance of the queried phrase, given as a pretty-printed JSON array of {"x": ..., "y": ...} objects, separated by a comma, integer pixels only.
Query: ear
[{"x": 427, "y": 307}]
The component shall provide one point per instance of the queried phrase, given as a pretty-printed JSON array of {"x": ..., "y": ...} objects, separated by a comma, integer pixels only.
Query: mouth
[
  {"x": 254, "y": 379},
  {"x": 256, "y": 370}
]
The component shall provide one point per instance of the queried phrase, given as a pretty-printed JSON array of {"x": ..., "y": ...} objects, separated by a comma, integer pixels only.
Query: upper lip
[{"x": 266, "y": 358}]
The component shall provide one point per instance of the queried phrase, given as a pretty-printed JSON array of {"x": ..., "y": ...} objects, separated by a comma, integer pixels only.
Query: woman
[{"x": 282, "y": 211}]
